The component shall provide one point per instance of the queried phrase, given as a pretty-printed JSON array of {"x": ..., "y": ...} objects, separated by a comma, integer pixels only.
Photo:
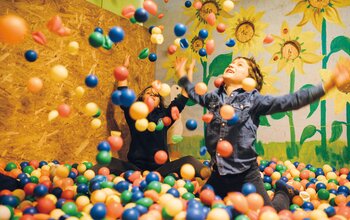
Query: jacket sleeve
[{"x": 266, "y": 105}]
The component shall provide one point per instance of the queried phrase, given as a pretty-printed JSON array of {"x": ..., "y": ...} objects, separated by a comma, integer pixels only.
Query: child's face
[
  {"x": 236, "y": 72},
  {"x": 151, "y": 93}
]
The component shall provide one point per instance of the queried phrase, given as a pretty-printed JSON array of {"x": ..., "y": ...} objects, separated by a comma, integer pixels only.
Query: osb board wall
[{"x": 25, "y": 132}]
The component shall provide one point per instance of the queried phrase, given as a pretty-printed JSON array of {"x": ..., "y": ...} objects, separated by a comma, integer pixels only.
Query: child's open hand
[
  {"x": 180, "y": 63},
  {"x": 190, "y": 70},
  {"x": 341, "y": 75}
]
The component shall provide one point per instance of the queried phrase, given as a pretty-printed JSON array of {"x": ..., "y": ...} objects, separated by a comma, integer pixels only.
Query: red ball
[
  {"x": 29, "y": 188},
  {"x": 34, "y": 163},
  {"x": 268, "y": 171},
  {"x": 218, "y": 82},
  {"x": 166, "y": 121},
  {"x": 224, "y": 148},
  {"x": 221, "y": 27},
  {"x": 68, "y": 194},
  {"x": 116, "y": 142},
  {"x": 45, "y": 205},
  {"x": 172, "y": 49},
  {"x": 161, "y": 157},
  {"x": 121, "y": 73},
  {"x": 207, "y": 196},
  {"x": 64, "y": 110}
]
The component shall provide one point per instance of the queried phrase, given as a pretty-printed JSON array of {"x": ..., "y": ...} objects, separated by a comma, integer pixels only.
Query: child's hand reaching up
[
  {"x": 180, "y": 64},
  {"x": 190, "y": 70},
  {"x": 340, "y": 77}
]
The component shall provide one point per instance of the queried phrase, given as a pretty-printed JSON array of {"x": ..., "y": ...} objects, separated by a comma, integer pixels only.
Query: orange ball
[
  {"x": 340, "y": 199},
  {"x": 268, "y": 171},
  {"x": 300, "y": 214},
  {"x": 297, "y": 200},
  {"x": 161, "y": 157},
  {"x": 114, "y": 210},
  {"x": 207, "y": 196},
  {"x": 45, "y": 205},
  {"x": 224, "y": 148},
  {"x": 104, "y": 171},
  {"x": 12, "y": 29},
  {"x": 255, "y": 201},
  {"x": 304, "y": 174},
  {"x": 34, "y": 85},
  {"x": 239, "y": 202},
  {"x": 201, "y": 88},
  {"x": 116, "y": 142},
  {"x": 227, "y": 112}
]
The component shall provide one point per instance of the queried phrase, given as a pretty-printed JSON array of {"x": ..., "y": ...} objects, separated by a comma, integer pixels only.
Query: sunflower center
[
  {"x": 320, "y": 4},
  {"x": 245, "y": 31},
  {"x": 207, "y": 8},
  {"x": 196, "y": 44},
  {"x": 291, "y": 50}
]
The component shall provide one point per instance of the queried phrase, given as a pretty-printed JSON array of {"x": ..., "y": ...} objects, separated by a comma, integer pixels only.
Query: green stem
[
  {"x": 206, "y": 81},
  {"x": 323, "y": 102},
  {"x": 290, "y": 115},
  {"x": 348, "y": 123}
]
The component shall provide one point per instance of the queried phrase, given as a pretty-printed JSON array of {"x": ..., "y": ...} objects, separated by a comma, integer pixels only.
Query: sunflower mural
[
  {"x": 269, "y": 79},
  {"x": 247, "y": 29},
  {"x": 319, "y": 12},
  {"x": 290, "y": 51}
]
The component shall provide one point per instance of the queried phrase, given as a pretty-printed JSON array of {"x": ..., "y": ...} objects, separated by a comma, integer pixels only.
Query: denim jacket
[{"x": 248, "y": 106}]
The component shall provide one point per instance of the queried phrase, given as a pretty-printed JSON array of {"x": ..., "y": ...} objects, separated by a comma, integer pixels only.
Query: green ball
[
  {"x": 97, "y": 114},
  {"x": 189, "y": 186},
  {"x": 146, "y": 202},
  {"x": 188, "y": 196},
  {"x": 88, "y": 165},
  {"x": 68, "y": 166},
  {"x": 104, "y": 157},
  {"x": 70, "y": 208},
  {"x": 333, "y": 181},
  {"x": 297, "y": 179},
  {"x": 126, "y": 196},
  {"x": 81, "y": 179},
  {"x": 133, "y": 20},
  {"x": 218, "y": 205},
  {"x": 332, "y": 202},
  {"x": 107, "y": 185},
  {"x": 279, "y": 167},
  {"x": 28, "y": 169},
  {"x": 323, "y": 194},
  {"x": 264, "y": 162},
  {"x": 170, "y": 180},
  {"x": 267, "y": 186},
  {"x": 242, "y": 217},
  {"x": 160, "y": 125},
  {"x": 165, "y": 215},
  {"x": 312, "y": 169},
  {"x": 34, "y": 179},
  {"x": 293, "y": 207},
  {"x": 10, "y": 166},
  {"x": 155, "y": 185},
  {"x": 96, "y": 39},
  {"x": 107, "y": 44}
]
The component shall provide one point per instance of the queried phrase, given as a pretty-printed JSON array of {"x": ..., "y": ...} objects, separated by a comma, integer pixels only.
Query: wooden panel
[{"x": 25, "y": 132}]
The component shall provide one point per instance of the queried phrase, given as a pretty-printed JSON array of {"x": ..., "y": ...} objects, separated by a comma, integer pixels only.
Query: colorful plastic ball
[
  {"x": 59, "y": 73},
  {"x": 202, "y": 52},
  {"x": 224, "y": 148},
  {"x": 221, "y": 27},
  {"x": 218, "y": 213},
  {"x": 187, "y": 171},
  {"x": 152, "y": 57},
  {"x": 99, "y": 30},
  {"x": 127, "y": 97},
  {"x": 121, "y": 73},
  {"x": 203, "y": 33},
  {"x": 40, "y": 190},
  {"x": 248, "y": 188},
  {"x": 152, "y": 176},
  {"x": 184, "y": 43},
  {"x": 170, "y": 180},
  {"x": 188, "y": 4},
  {"x": 172, "y": 49},
  {"x": 73, "y": 48},
  {"x": 203, "y": 151},
  {"x": 233, "y": 120},
  {"x": 255, "y": 201},
  {"x": 45, "y": 205},
  {"x": 150, "y": 29},
  {"x": 9, "y": 200},
  {"x": 96, "y": 39},
  {"x": 155, "y": 185},
  {"x": 98, "y": 211},
  {"x": 227, "y": 112},
  {"x": 228, "y": 5},
  {"x": 248, "y": 84},
  {"x": 174, "y": 192},
  {"x": 13, "y": 29},
  {"x": 320, "y": 185},
  {"x": 307, "y": 206},
  {"x": 191, "y": 124},
  {"x": 180, "y": 29},
  {"x": 116, "y": 34},
  {"x": 141, "y": 15},
  {"x": 104, "y": 145},
  {"x": 211, "y": 19},
  {"x": 141, "y": 124},
  {"x": 95, "y": 123},
  {"x": 70, "y": 208},
  {"x": 160, "y": 157},
  {"x": 323, "y": 194},
  {"x": 31, "y": 55},
  {"x": 91, "y": 108},
  {"x": 91, "y": 80},
  {"x": 34, "y": 85},
  {"x": 151, "y": 7},
  {"x": 103, "y": 157},
  {"x": 138, "y": 110},
  {"x": 116, "y": 97},
  {"x": 200, "y": 88}
]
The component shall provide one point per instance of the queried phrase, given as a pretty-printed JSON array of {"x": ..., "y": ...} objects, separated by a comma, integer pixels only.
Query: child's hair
[
  {"x": 142, "y": 93},
  {"x": 254, "y": 71}
]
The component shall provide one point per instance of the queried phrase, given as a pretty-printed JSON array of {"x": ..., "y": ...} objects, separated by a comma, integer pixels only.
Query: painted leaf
[
  {"x": 308, "y": 132},
  {"x": 278, "y": 116},
  {"x": 340, "y": 43},
  {"x": 190, "y": 102},
  {"x": 337, "y": 130},
  {"x": 264, "y": 121},
  {"x": 314, "y": 105},
  {"x": 219, "y": 64}
]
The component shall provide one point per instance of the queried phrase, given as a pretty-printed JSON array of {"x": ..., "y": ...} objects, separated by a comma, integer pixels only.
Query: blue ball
[
  {"x": 98, "y": 211},
  {"x": 191, "y": 124},
  {"x": 116, "y": 97},
  {"x": 150, "y": 29},
  {"x": 31, "y": 55},
  {"x": 248, "y": 188},
  {"x": 127, "y": 174},
  {"x": 207, "y": 186},
  {"x": 122, "y": 186},
  {"x": 104, "y": 145},
  {"x": 55, "y": 162},
  {"x": 135, "y": 189},
  {"x": 262, "y": 168},
  {"x": 307, "y": 206},
  {"x": 42, "y": 163},
  {"x": 334, "y": 191},
  {"x": 57, "y": 191},
  {"x": 130, "y": 214},
  {"x": 320, "y": 185},
  {"x": 91, "y": 81},
  {"x": 284, "y": 178},
  {"x": 21, "y": 176},
  {"x": 344, "y": 190},
  {"x": 203, "y": 151},
  {"x": 24, "y": 164},
  {"x": 267, "y": 179},
  {"x": 99, "y": 30},
  {"x": 233, "y": 120},
  {"x": 188, "y": 4},
  {"x": 202, "y": 52},
  {"x": 95, "y": 186},
  {"x": 319, "y": 172},
  {"x": 9, "y": 200},
  {"x": 40, "y": 190},
  {"x": 141, "y": 209},
  {"x": 72, "y": 175},
  {"x": 180, "y": 29},
  {"x": 141, "y": 15},
  {"x": 116, "y": 34},
  {"x": 184, "y": 43},
  {"x": 330, "y": 211},
  {"x": 308, "y": 166},
  {"x": 203, "y": 33},
  {"x": 127, "y": 97},
  {"x": 193, "y": 204},
  {"x": 173, "y": 192},
  {"x": 30, "y": 211},
  {"x": 143, "y": 185},
  {"x": 296, "y": 163},
  {"x": 152, "y": 57},
  {"x": 82, "y": 188},
  {"x": 205, "y": 210},
  {"x": 152, "y": 176},
  {"x": 195, "y": 214},
  {"x": 206, "y": 163},
  {"x": 60, "y": 203},
  {"x": 313, "y": 180},
  {"x": 136, "y": 196}
]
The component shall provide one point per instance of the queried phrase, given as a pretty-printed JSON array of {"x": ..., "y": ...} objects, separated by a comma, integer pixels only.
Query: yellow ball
[
  {"x": 19, "y": 193},
  {"x": 182, "y": 190},
  {"x": 269, "y": 216},
  {"x": 113, "y": 198},
  {"x": 151, "y": 126},
  {"x": 294, "y": 172},
  {"x": 187, "y": 171},
  {"x": 98, "y": 196},
  {"x": 118, "y": 179},
  {"x": 82, "y": 201},
  {"x": 276, "y": 175},
  {"x": 129, "y": 205},
  {"x": 87, "y": 208},
  {"x": 95, "y": 123},
  {"x": 81, "y": 168},
  {"x": 56, "y": 213},
  {"x": 164, "y": 90},
  {"x": 218, "y": 213},
  {"x": 327, "y": 168},
  {"x": 164, "y": 199},
  {"x": 323, "y": 206},
  {"x": 89, "y": 174},
  {"x": 156, "y": 30},
  {"x": 79, "y": 91},
  {"x": 318, "y": 214},
  {"x": 248, "y": 84},
  {"x": 180, "y": 183},
  {"x": 180, "y": 216},
  {"x": 91, "y": 109},
  {"x": 73, "y": 48},
  {"x": 138, "y": 110},
  {"x": 228, "y": 5},
  {"x": 141, "y": 124},
  {"x": 174, "y": 206},
  {"x": 36, "y": 173},
  {"x": 331, "y": 175},
  {"x": 177, "y": 42},
  {"x": 201, "y": 88},
  {"x": 157, "y": 38},
  {"x": 52, "y": 197},
  {"x": 164, "y": 188},
  {"x": 59, "y": 73},
  {"x": 52, "y": 115}
]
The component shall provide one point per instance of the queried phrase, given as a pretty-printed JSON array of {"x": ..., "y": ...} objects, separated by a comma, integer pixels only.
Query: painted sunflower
[
  {"x": 316, "y": 10},
  {"x": 294, "y": 48},
  {"x": 247, "y": 29},
  {"x": 198, "y": 17},
  {"x": 269, "y": 80}
]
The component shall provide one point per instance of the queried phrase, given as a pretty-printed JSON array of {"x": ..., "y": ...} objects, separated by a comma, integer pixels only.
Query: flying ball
[
  {"x": 191, "y": 124},
  {"x": 151, "y": 7},
  {"x": 187, "y": 171},
  {"x": 197, "y": 5},
  {"x": 200, "y": 88},
  {"x": 172, "y": 49},
  {"x": 224, "y": 148},
  {"x": 31, "y": 55},
  {"x": 99, "y": 30},
  {"x": 91, "y": 109},
  {"x": 164, "y": 90},
  {"x": 180, "y": 29},
  {"x": 157, "y": 38},
  {"x": 184, "y": 43},
  {"x": 91, "y": 81},
  {"x": 221, "y": 27},
  {"x": 34, "y": 85},
  {"x": 128, "y": 11},
  {"x": 160, "y": 157},
  {"x": 58, "y": 73},
  {"x": 64, "y": 110},
  {"x": 127, "y": 97},
  {"x": 116, "y": 34},
  {"x": 188, "y": 4},
  {"x": 79, "y": 91},
  {"x": 73, "y": 48},
  {"x": 248, "y": 84},
  {"x": 141, "y": 124},
  {"x": 203, "y": 34},
  {"x": 211, "y": 19},
  {"x": 144, "y": 53},
  {"x": 152, "y": 57},
  {"x": 228, "y": 5},
  {"x": 121, "y": 73},
  {"x": 12, "y": 29},
  {"x": 138, "y": 110},
  {"x": 230, "y": 43},
  {"x": 96, "y": 39},
  {"x": 210, "y": 46},
  {"x": 227, "y": 112},
  {"x": 141, "y": 15}
]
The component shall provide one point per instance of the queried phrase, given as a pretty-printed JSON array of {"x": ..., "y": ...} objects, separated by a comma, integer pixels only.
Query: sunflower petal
[
  {"x": 284, "y": 29},
  {"x": 311, "y": 57},
  {"x": 298, "y": 64},
  {"x": 306, "y": 17},
  {"x": 300, "y": 7},
  {"x": 281, "y": 64},
  {"x": 316, "y": 19},
  {"x": 332, "y": 15},
  {"x": 340, "y": 3}
]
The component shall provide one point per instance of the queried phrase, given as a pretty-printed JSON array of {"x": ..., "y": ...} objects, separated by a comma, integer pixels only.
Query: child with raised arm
[{"x": 230, "y": 173}]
